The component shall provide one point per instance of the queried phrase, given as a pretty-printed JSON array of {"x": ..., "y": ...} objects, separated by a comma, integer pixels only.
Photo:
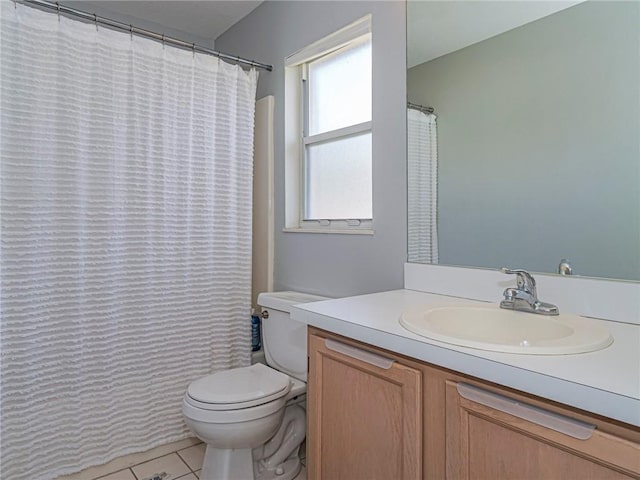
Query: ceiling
[
  {"x": 435, "y": 28},
  {"x": 205, "y": 19}
]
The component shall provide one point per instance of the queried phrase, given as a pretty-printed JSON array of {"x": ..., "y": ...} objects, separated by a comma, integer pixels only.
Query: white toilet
[{"x": 253, "y": 419}]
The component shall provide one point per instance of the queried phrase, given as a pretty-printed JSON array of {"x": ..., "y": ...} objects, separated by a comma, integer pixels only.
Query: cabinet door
[
  {"x": 490, "y": 436},
  {"x": 364, "y": 415}
]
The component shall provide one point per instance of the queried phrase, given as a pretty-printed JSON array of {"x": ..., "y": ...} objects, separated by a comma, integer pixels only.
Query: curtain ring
[
  {"x": 95, "y": 20},
  {"x": 163, "y": 40},
  {"x": 58, "y": 8},
  {"x": 131, "y": 31},
  {"x": 193, "y": 46}
]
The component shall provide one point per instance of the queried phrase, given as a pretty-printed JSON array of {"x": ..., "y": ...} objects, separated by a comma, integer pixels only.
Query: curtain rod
[
  {"x": 420, "y": 107},
  {"x": 143, "y": 33}
]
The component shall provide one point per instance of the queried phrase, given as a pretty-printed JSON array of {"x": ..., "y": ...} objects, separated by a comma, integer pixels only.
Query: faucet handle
[{"x": 525, "y": 280}]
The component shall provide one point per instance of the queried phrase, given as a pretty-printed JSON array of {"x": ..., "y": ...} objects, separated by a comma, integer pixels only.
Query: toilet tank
[{"x": 284, "y": 339}]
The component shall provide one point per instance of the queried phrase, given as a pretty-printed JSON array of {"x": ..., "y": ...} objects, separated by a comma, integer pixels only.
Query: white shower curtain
[
  {"x": 126, "y": 237},
  {"x": 422, "y": 187}
]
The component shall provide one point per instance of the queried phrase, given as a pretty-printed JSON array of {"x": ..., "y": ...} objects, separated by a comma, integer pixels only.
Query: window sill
[{"x": 339, "y": 231}]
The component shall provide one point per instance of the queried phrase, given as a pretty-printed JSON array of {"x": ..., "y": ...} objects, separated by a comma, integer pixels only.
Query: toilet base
[
  {"x": 276, "y": 459},
  {"x": 232, "y": 464},
  {"x": 285, "y": 471},
  {"x": 238, "y": 465}
]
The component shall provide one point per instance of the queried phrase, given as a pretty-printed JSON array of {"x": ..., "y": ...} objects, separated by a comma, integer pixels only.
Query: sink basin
[{"x": 500, "y": 330}]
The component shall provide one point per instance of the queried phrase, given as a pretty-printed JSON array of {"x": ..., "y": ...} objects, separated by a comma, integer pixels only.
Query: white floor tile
[
  {"x": 193, "y": 456},
  {"x": 191, "y": 476},
  {"x": 121, "y": 475},
  {"x": 171, "y": 464},
  {"x": 126, "y": 461}
]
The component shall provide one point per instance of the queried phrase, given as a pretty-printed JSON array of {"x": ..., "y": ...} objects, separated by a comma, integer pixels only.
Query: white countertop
[{"x": 606, "y": 382}]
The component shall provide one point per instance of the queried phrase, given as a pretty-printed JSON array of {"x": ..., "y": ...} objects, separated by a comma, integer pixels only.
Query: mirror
[{"x": 531, "y": 154}]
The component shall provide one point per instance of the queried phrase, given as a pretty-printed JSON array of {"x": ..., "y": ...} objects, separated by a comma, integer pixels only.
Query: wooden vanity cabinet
[
  {"x": 364, "y": 418},
  {"x": 485, "y": 441},
  {"x": 413, "y": 420}
]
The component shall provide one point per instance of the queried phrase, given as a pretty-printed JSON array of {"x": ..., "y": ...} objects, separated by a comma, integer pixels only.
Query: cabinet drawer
[{"x": 493, "y": 436}]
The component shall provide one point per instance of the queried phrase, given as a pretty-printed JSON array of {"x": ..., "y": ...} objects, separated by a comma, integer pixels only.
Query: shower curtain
[
  {"x": 126, "y": 185},
  {"x": 422, "y": 187}
]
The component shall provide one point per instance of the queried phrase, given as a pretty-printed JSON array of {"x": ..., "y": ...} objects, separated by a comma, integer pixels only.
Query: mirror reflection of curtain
[{"x": 422, "y": 187}]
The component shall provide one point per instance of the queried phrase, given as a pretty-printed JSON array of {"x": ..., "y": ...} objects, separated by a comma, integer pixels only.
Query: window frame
[{"x": 296, "y": 140}]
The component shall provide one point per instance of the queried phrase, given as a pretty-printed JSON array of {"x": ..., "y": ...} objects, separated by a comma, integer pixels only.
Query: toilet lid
[{"x": 240, "y": 385}]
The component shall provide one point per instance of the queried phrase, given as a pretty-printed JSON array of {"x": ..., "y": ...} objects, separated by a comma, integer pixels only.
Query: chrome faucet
[{"x": 524, "y": 298}]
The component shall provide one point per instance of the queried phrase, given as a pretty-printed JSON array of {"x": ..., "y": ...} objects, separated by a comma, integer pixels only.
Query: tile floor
[{"x": 184, "y": 464}]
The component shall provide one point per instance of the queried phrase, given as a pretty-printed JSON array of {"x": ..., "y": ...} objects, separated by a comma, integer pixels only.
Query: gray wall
[
  {"x": 92, "y": 7},
  {"x": 539, "y": 154},
  {"x": 331, "y": 264}
]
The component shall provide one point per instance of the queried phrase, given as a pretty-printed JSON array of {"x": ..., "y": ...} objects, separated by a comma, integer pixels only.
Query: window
[{"x": 328, "y": 133}]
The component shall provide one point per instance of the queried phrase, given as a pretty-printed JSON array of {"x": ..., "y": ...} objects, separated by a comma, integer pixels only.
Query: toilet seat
[
  {"x": 192, "y": 410},
  {"x": 238, "y": 388}
]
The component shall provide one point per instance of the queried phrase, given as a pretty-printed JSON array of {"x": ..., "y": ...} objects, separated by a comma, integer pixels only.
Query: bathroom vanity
[{"x": 386, "y": 403}]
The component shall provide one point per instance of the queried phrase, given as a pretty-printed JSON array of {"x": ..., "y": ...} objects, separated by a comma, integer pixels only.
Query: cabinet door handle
[
  {"x": 357, "y": 353},
  {"x": 539, "y": 416}
]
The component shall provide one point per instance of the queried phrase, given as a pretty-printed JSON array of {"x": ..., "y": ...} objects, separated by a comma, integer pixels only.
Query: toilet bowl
[{"x": 253, "y": 419}]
